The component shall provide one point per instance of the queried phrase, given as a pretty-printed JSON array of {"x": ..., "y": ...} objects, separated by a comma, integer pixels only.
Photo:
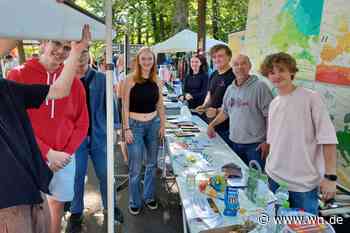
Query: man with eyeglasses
[{"x": 59, "y": 125}]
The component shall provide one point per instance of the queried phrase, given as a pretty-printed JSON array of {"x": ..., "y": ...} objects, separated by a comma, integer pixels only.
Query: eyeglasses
[{"x": 58, "y": 44}]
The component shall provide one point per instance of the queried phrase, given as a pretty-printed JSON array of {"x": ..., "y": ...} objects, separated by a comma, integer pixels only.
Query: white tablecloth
[{"x": 220, "y": 154}]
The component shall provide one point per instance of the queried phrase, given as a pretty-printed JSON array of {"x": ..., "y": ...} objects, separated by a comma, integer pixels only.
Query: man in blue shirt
[{"x": 95, "y": 144}]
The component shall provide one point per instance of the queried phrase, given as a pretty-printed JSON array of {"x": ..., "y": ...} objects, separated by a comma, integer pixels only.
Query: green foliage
[{"x": 151, "y": 21}]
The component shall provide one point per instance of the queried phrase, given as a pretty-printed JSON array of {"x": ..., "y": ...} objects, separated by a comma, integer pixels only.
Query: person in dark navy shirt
[
  {"x": 23, "y": 172},
  {"x": 196, "y": 82}
]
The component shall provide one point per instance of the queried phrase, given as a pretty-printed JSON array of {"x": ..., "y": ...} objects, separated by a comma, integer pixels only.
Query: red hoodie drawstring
[
  {"x": 47, "y": 83},
  {"x": 53, "y": 101}
]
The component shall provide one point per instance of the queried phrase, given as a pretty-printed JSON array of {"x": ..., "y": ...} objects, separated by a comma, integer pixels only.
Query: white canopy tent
[
  {"x": 184, "y": 41},
  {"x": 45, "y": 19}
]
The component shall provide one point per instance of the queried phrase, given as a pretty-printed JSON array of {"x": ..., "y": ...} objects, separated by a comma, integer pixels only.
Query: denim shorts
[{"x": 62, "y": 184}]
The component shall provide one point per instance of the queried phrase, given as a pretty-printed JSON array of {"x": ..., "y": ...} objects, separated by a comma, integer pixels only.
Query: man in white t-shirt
[{"x": 302, "y": 138}]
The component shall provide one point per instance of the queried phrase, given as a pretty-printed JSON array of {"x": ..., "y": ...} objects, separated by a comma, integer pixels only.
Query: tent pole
[
  {"x": 110, "y": 117},
  {"x": 126, "y": 53}
]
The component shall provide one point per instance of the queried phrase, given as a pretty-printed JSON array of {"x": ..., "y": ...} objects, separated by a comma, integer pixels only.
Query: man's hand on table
[
  {"x": 200, "y": 109},
  {"x": 328, "y": 189},
  {"x": 211, "y": 131},
  {"x": 265, "y": 149},
  {"x": 211, "y": 112}
]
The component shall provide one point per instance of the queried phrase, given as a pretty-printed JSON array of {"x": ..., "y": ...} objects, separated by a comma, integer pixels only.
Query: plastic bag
[
  {"x": 257, "y": 185},
  {"x": 185, "y": 114}
]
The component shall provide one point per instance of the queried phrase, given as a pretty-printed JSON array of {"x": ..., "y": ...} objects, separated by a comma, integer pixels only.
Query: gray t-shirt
[{"x": 247, "y": 107}]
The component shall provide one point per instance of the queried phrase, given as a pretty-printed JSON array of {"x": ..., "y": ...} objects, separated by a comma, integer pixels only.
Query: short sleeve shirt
[
  {"x": 217, "y": 88},
  {"x": 218, "y": 85},
  {"x": 299, "y": 124}
]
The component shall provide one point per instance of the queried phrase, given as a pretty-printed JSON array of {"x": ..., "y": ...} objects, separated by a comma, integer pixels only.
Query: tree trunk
[
  {"x": 139, "y": 35},
  {"x": 147, "y": 37},
  {"x": 139, "y": 31},
  {"x": 202, "y": 7},
  {"x": 21, "y": 53},
  {"x": 215, "y": 18},
  {"x": 153, "y": 12},
  {"x": 161, "y": 27},
  {"x": 132, "y": 38},
  {"x": 180, "y": 19}
]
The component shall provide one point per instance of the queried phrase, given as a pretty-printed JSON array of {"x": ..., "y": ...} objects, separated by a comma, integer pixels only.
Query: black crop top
[{"x": 144, "y": 97}]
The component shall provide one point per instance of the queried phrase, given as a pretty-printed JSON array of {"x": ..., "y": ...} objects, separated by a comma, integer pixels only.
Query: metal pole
[
  {"x": 126, "y": 53},
  {"x": 184, "y": 220},
  {"x": 110, "y": 117}
]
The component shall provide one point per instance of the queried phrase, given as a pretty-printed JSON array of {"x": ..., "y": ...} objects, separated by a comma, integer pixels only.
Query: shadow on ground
[{"x": 167, "y": 219}]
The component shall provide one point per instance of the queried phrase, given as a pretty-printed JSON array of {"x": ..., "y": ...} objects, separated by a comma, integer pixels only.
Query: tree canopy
[{"x": 152, "y": 21}]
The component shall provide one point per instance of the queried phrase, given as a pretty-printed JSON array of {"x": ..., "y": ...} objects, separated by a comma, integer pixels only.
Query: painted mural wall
[{"x": 317, "y": 34}]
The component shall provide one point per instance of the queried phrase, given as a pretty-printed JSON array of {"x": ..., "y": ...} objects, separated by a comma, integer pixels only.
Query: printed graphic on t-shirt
[
  {"x": 232, "y": 102},
  {"x": 221, "y": 83}
]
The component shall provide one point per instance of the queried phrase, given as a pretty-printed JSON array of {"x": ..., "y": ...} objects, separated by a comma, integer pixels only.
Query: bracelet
[{"x": 127, "y": 129}]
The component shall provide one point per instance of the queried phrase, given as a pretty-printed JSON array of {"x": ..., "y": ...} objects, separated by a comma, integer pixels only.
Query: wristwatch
[{"x": 331, "y": 177}]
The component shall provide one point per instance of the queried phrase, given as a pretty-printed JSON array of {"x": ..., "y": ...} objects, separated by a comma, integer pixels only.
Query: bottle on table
[{"x": 177, "y": 87}]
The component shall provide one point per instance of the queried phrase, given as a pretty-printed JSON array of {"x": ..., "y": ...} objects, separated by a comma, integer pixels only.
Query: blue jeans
[
  {"x": 308, "y": 201},
  {"x": 98, "y": 156},
  {"x": 145, "y": 144},
  {"x": 248, "y": 152}
]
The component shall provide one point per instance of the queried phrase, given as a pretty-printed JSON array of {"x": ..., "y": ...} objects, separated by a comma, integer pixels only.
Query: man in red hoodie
[{"x": 59, "y": 125}]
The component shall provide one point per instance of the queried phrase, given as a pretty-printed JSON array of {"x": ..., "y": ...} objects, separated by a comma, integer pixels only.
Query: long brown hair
[
  {"x": 204, "y": 65},
  {"x": 137, "y": 74}
]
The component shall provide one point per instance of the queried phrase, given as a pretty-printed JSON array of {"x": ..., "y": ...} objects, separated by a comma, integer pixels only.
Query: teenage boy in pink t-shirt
[{"x": 302, "y": 138}]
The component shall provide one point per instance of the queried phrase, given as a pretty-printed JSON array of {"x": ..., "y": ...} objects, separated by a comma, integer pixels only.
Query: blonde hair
[{"x": 137, "y": 74}]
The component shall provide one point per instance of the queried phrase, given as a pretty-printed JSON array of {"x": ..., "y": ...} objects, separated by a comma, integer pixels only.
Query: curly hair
[{"x": 278, "y": 59}]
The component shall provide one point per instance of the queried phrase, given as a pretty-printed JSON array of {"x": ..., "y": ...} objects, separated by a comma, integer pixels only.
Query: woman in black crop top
[
  {"x": 144, "y": 97},
  {"x": 144, "y": 123}
]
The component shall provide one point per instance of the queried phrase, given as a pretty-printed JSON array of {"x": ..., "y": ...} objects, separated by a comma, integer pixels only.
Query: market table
[
  {"x": 215, "y": 153},
  {"x": 209, "y": 155}
]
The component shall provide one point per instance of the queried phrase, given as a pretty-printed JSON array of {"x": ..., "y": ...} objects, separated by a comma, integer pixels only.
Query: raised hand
[{"x": 79, "y": 46}]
